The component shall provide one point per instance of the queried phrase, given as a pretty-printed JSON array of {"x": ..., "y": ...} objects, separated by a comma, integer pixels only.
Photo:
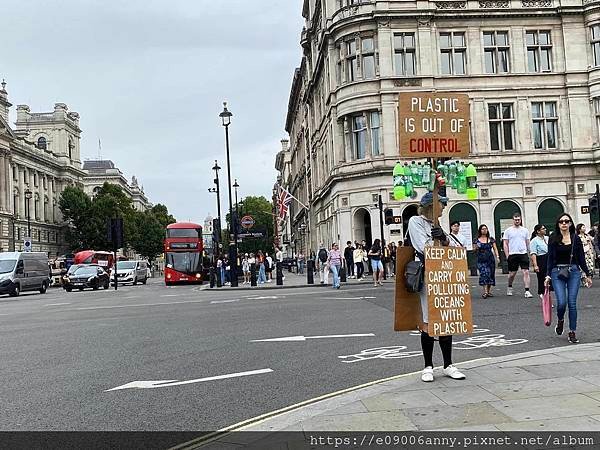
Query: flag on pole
[{"x": 284, "y": 198}]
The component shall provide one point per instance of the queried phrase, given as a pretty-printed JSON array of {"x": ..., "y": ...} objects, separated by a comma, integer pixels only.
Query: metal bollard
[
  {"x": 342, "y": 274},
  {"x": 218, "y": 276},
  {"x": 279, "y": 268},
  {"x": 253, "y": 274},
  {"x": 211, "y": 276},
  {"x": 310, "y": 269}
]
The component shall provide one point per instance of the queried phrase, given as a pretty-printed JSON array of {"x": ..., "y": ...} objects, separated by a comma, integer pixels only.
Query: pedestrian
[
  {"x": 323, "y": 256},
  {"x": 227, "y": 266},
  {"x": 566, "y": 260},
  {"x": 246, "y": 268},
  {"x": 268, "y": 268},
  {"x": 260, "y": 260},
  {"x": 588, "y": 247},
  {"x": 538, "y": 249},
  {"x": 349, "y": 258},
  {"x": 375, "y": 253},
  {"x": 221, "y": 269},
  {"x": 359, "y": 257},
  {"x": 456, "y": 238},
  {"x": 367, "y": 247},
  {"x": 301, "y": 263},
  {"x": 334, "y": 261},
  {"x": 392, "y": 259},
  {"x": 516, "y": 246},
  {"x": 487, "y": 255},
  {"x": 421, "y": 233},
  {"x": 279, "y": 259}
]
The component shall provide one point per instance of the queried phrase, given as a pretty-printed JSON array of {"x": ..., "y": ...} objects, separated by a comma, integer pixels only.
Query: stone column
[
  {"x": 2, "y": 180},
  {"x": 21, "y": 175},
  {"x": 50, "y": 200},
  {"x": 41, "y": 184}
]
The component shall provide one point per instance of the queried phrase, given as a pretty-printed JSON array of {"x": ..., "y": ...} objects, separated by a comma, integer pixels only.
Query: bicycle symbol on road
[{"x": 394, "y": 352}]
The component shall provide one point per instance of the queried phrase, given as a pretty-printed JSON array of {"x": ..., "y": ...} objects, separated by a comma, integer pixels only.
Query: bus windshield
[
  {"x": 7, "y": 265},
  {"x": 184, "y": 233},
  {"x": 185, "y": 262}
]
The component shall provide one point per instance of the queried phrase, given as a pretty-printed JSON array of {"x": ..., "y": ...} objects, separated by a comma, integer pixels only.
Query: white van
[
  {"x": 131, "y": 272},
  {"x": 23, "y": 271}
]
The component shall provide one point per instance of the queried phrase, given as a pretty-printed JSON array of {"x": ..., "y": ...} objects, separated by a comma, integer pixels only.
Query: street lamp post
[
  {"x": 28, "y": 195},
  {"x": 226, "y": 120},
  {"x": 237, "y": 211},
  {"x": 216, "y": 190}
]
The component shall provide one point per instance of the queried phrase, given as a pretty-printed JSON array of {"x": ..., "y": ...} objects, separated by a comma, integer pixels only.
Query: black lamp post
[
  {"x": 216, "y": 190},
  {"x": 226, "y": 120},
  {"x": 28, "y": 195},
  {"x": 237, "y": 211}
]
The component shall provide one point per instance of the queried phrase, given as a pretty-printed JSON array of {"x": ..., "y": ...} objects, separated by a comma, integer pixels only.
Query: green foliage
[
  {"x": 261, "y": 210},
  {"x": 87, "y": 218}
]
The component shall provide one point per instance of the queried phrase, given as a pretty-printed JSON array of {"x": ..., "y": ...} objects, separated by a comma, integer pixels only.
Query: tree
[
  {"x": 149, "y": 233},
  {"x": 110, "y": 202},
  {"x": 261, "y": 211},
  {"x": 75, "y": 206}
]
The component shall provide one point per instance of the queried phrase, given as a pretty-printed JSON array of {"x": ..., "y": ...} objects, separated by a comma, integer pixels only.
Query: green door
[
  {"x": 503, "y": 219},
  {"x": 548, "y": 212},
  {"x": 464, "y": 212}
]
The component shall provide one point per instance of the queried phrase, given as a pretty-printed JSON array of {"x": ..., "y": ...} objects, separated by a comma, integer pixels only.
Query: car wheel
[
  {"x": 16, "y": 291},
  {"x": 44, "y": 287},
  {"x": 135, "y": 281},
  {"x": 145, "y": 279},
  {"x": 68, "y": 289}
]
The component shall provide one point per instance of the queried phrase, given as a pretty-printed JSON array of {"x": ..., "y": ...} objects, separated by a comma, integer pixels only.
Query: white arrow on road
[
  {"x": 304, "y": 338},
  {"x": 168, "y": 383}
]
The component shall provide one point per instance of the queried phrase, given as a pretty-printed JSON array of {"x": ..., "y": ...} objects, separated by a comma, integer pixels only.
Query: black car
[{"x": 84, "y": 276}]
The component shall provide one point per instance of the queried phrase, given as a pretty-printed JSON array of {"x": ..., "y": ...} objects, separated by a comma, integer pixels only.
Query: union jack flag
[{"x": 284, "y": 198}]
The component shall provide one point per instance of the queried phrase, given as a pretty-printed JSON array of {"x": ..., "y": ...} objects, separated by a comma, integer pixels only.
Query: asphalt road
[{"x": 61, "y": 353}]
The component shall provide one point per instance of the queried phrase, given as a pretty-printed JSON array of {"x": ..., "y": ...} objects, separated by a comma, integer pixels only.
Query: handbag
[
  {"x": 547, "y": 307},
  {"x": 564, "y": 272},
  {"x": 413, "y": 274}
]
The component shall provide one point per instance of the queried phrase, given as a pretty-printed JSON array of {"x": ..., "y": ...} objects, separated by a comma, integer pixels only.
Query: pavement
[{"x": 555, "y": 389}]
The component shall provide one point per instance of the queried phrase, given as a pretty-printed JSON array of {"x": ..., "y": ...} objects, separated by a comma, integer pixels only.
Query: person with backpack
[
  {"x": 322, "y": 257},
  {"x": 422, "y": 233}
]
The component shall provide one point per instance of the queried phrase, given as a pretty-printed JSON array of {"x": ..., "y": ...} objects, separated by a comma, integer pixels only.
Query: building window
[
  {"x": 545, "y": 125},
  {"x": 596, "y": 44},
  {"x": 454, "y": 53},
  {"x": 597, "y": 113},
  {"x": 35, "y": 179},
  {"x": 404, "y": 54},
  {"x": 539, "y": 51},
  {"x": 368, "y": 57},
  {"x": 41, "y": 143},
  {"x": 496, "y": 51},
  {"x": 502, "y": 126},
  {"x": 374, "y": 124},
  {"x": 359, "y": 137},
  {"x": 358, "y": 59},
  {"x": 351, "y": 61}
]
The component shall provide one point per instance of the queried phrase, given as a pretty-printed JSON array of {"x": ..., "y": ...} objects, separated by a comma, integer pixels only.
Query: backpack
[{"x": 323, "y": 255}]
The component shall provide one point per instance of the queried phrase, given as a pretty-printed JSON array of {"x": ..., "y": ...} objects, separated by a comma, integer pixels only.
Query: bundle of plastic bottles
[{"x": 458, "y": 175}]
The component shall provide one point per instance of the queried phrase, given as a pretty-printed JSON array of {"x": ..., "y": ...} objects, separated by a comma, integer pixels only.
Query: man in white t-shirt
[
  {"x": 456, "y": 239},
  {"x": 516, "y": 246}
]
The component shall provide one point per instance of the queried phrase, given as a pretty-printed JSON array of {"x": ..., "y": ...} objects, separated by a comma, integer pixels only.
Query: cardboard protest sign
[
  {"x": 433, "y": 125},
  {"x": 407, "y": 305},
  {"x": 448, "y": 291}
]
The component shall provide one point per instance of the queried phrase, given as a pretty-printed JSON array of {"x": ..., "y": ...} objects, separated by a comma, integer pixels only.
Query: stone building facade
[
  {"x": 39, "y": 157},
  {"x": 530, "y": 67}
]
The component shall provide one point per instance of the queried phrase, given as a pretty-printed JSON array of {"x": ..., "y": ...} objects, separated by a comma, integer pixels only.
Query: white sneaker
[
  {"x": 454, "y": 373},
  {"x": 427, "y": 374},
  {"x": 509, "y": 291},
  {"x": 528, "y": 294}
]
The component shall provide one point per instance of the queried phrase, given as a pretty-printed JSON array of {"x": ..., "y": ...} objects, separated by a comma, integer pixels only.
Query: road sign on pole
[
  {"x": 27, "y": 244},
  {"x": 247, "y": 222}
]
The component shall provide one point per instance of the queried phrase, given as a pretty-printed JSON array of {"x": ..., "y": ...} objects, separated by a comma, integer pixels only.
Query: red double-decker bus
[{"x": 183, "y": 253}]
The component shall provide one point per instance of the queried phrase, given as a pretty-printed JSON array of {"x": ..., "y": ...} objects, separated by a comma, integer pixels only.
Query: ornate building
[
  {"x": 38, "y": 159},
  {"x": 97, "y": 172},
  {"x": 531, "y": 69}
]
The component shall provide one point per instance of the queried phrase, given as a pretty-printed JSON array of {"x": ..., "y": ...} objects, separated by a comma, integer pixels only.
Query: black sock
[
  {"x": 446, "y": 346},
  {"x": 427, "y": 346},
  {"x": 526, "y": 289},
  {"x": 509, "y": 285}
]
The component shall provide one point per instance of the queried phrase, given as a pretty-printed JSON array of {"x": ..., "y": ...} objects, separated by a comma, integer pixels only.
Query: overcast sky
[{"x": 148, "y": 78}]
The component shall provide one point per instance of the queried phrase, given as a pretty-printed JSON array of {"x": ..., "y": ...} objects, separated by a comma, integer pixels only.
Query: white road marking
[
  {"x": 224, "y": 301},
  {"x": 57, "y": 304},
  {"x": 171, "y": 295},
  {"x": 304, "y": 338},
  {"x": 169, "y": 383},
  {"x": 138, "y": 305}
]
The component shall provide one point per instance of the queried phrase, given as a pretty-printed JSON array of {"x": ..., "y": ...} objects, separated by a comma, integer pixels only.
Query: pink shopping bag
[{"x": 547, "y": 307}]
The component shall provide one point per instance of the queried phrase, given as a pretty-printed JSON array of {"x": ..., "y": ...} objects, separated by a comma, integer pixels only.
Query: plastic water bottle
[
  {"x": 452, "y": 179},
  {"x": 426, "y": 176},
  {"x": 420, "y": 170},
  {"x": 461, "y": 183},
  {"x": 408, "y": 187},
  {"x": 399, "y": 189},
  {"x": 471, "y": 176},
  {"x": 414, "y": 173}
]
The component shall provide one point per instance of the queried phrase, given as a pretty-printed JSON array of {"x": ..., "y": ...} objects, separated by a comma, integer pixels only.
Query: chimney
[{"x": 4, "y": 103}]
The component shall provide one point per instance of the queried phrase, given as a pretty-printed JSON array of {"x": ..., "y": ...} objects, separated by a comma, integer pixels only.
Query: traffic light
[
  {"x": 594, "y": 207},
  {"x": 216, "y": 230},
  {"x": 389, "y": 216}
]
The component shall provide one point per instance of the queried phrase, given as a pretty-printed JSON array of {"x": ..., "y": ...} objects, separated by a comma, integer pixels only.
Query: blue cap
[{"x": 427, "y": 199}]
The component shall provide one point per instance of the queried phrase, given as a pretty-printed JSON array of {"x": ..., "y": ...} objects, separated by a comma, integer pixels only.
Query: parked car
[
  {"x": 81, "y": 276},
  {"x": 23, "y": 271},
  {"x": 131, "y": 272}
]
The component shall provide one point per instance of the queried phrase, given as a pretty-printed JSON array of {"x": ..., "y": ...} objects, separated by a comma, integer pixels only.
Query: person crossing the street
[
  {"x": 516, "y": 246},
  {"x": 322, "y": 257}
]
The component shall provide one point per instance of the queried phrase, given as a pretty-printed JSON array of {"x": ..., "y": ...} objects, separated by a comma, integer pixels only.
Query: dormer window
[{"x": 42, "y": 144}]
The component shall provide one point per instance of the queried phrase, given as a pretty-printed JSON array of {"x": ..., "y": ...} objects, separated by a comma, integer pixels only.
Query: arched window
[
  {"x": 71, "y": 149},
  {"x": 41, "y": 143},
  {"x": 464, "y": 212},
  {"x": 548, "y": 212},
  {"x": 503, "y": 213}
]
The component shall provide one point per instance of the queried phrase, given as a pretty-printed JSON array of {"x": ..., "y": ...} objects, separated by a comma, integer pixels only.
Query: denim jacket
[{"x": 578, "y": 255}]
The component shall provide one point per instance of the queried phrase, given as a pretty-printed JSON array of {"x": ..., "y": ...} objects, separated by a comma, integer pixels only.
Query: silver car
[{"x": 131, "y": 272}]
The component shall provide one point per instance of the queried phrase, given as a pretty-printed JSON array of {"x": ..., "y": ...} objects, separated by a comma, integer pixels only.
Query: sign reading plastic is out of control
[{"x": 433, "y": 125}]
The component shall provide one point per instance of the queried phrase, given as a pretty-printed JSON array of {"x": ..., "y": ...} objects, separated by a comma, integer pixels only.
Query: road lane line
[
  {"x": 171, "y": 295},
  {"x": 224, "y": 301},
  {"x": 57, "y": 304},
  {"x": 134, "y": 306}
]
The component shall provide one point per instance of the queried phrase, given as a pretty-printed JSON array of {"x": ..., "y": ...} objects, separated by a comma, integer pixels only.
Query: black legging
[
  {"x": 542, "y": 262},
  {"x": 427, "y": 346},
  {"x": 360, "y": 268}
]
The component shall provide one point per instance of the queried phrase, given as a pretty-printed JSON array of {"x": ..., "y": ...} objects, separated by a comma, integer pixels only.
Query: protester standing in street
[
  {"x": 487, "y": 255},
  {"x": 359, "y": 257},
  {"x": 421, "y": 233},
  {"x": 538, "y": 248},
  {"x": 566, "y": 260},
  {"x": 588, "y": 246},
  {"x": 322, "y": 257},
  {"x": 375, "y": 253},
  {"x": 516, "y": 247},
  {"x": 349, "y": 258},
  {"x": 335, "y": 264}
]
